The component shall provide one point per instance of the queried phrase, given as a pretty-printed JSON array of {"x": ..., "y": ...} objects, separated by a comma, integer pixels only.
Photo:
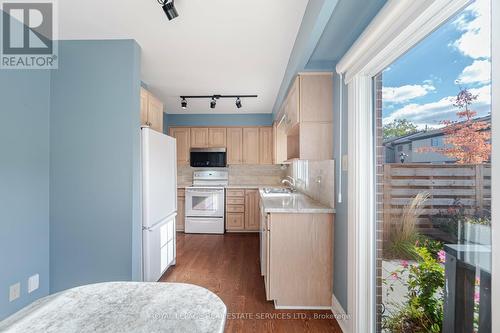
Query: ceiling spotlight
[
  {"x": 169, "y": 9},
  {"x": 213, "y": 103},
  {"x": 184, "y": 103},
  {"x": 238, "y": 102}
]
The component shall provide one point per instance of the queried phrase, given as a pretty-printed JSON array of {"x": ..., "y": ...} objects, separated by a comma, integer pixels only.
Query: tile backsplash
[
  {"x": 241, "y": 174},
  {"x": 315, "y": 179}
]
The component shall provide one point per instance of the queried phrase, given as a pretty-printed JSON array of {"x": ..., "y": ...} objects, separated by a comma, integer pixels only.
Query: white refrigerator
[{"x": 159, "y": 203}]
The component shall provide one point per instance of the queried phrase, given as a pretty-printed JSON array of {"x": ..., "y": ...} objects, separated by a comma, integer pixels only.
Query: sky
[{"x": 421, "y": 85}]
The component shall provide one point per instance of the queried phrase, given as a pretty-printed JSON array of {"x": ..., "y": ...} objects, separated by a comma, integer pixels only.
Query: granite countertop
[
  {"x": 123, "y": 307},
  {"x": 293, "y": 203}
]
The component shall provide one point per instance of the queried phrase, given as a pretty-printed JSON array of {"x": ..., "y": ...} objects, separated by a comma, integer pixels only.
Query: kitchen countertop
[
  {"x": 123, "y": 307},
  {"x": 231, "y": 186},
  {"x": 293, "y": 203}
]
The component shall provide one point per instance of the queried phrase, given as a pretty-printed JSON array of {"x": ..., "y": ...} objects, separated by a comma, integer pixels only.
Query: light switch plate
[
  {"x": 33, "y": 283},
  {"x": 14, "y": 291}
]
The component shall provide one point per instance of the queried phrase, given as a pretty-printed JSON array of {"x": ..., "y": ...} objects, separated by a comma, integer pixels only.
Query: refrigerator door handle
[{"x": 157, "y": 225}]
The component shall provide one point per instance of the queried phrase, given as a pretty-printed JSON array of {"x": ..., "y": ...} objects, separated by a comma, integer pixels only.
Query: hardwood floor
[{"x": 228, "y": 265}]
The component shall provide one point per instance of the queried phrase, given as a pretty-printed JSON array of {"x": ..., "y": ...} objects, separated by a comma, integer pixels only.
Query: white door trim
[
  {"x": 361, "y": 233},
  {"x": 399, "y": 26}
]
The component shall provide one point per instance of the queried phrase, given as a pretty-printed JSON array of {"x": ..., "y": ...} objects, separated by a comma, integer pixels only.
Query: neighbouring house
[{"x": 410, "y": 145}]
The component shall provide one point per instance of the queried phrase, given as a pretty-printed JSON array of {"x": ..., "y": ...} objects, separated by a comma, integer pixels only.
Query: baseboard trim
[
  {"x": 300, "y": 307},
  {"x": 337, "y": 309}
]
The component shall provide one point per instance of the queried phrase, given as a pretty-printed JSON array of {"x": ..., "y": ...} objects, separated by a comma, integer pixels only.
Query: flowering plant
[{"x": 423, "y": 311}]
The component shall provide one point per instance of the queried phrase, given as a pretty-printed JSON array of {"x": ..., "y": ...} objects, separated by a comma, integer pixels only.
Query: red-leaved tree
[{"x": 467, "y": 140}]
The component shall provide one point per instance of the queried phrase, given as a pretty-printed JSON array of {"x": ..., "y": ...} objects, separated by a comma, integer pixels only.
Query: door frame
[{"x": 398, "y": 27}]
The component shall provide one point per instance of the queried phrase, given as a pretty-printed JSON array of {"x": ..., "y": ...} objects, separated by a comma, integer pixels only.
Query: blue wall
[
  {"x": 94, "y": 163},
  {"x": 252, "y": 119},
  {"x": 24, "y": 189},
  {"x": 345, "y": 25},
  {"x": 340, "y": 244}
]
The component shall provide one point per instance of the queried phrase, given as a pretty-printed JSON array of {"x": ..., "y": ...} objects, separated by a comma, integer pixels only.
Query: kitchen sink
[{"x": 276, "y": 192}]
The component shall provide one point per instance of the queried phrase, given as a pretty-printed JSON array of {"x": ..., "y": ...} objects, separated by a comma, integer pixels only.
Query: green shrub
[{"x": 423, "y": 311}]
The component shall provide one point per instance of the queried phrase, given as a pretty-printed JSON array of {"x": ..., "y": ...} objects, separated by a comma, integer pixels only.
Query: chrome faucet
[{"x": 290, "y": 181}]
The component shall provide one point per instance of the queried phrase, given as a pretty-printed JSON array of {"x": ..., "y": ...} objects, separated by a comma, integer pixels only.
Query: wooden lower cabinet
[
  {"x": 235, "y": 221},
  {"x": 181, "y": 201},
  {"x": 242, "y": 210},
  {"x": 252, "y": 210},
  {"x": 298, "y": 259}
]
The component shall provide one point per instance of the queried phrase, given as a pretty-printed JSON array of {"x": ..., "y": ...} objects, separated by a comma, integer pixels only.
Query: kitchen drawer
[
  {"x": 235, "y": 193},
  {"x": 235, "y": 201},
  {"x": 235, "y": 221},
  {"x": 235, "y": 208},
  {"x": 181, "y": 192}
]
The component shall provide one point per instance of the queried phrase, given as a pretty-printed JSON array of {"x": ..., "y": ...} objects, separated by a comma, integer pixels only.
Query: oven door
[{"x": 203, "y": 201}]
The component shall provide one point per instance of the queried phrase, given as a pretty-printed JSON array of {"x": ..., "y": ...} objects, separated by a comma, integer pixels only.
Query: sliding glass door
[{"x": 432, "y": 128}]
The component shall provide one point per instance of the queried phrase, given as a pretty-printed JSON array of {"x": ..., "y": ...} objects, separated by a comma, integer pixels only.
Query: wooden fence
[{"x": 448, "y": 183}]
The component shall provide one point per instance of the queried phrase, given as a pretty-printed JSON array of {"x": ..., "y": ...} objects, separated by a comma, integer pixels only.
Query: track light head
[
  {"x": 184, "y": 103},
  {"x": 169, "y": 9},
  {"x": 238, "y": 102},
  {"x": 213, "y": 103}
]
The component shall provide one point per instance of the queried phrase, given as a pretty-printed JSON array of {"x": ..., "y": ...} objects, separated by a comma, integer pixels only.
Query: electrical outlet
[
  {"x": 33, "y": 283},
  {"x": 14, "y": 291}
]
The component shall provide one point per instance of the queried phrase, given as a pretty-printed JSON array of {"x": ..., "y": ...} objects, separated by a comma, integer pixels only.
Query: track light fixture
[
  {"x": 169, "y": 9},
  {"x": 214, "y": 99}
]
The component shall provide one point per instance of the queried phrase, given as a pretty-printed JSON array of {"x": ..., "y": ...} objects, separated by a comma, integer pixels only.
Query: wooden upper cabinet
[
  {"x": 292, "y": 112},
  {"x": 305, "y": 123},
  {"x": 151, "y": 111},
  {"x": 280, "y": 144},
  {"x": 252, "y": 213},
  {"x": 144, "y": 107},
  {"x": 316, "y": 97},
  {"x": 182, "y": 135},
  {"x": 199, "y": 137},
  {"x": 155, "y": 113},
  {"x": 234, "y": 145},
  {"x": 266, "y": 145},
  {"x": 251, "y": 145},
  {"x": 217, "y": 137}
]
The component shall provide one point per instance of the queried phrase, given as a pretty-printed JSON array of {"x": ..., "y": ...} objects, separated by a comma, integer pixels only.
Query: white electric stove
[{"x": 205, "y": 202}]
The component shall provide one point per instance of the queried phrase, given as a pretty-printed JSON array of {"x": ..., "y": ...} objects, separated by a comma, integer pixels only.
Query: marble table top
[{"x": 123, "y": 307}]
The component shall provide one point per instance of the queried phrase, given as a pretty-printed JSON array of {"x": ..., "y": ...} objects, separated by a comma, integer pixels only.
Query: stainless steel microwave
[{"x": 208, "y": 157}]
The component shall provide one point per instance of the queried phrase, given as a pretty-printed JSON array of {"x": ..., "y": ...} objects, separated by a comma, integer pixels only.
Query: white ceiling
[{"x": 213, "y": 47}]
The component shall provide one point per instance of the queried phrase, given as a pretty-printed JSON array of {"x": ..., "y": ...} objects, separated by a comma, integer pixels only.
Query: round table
[{"x": 123, "y": 307}]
